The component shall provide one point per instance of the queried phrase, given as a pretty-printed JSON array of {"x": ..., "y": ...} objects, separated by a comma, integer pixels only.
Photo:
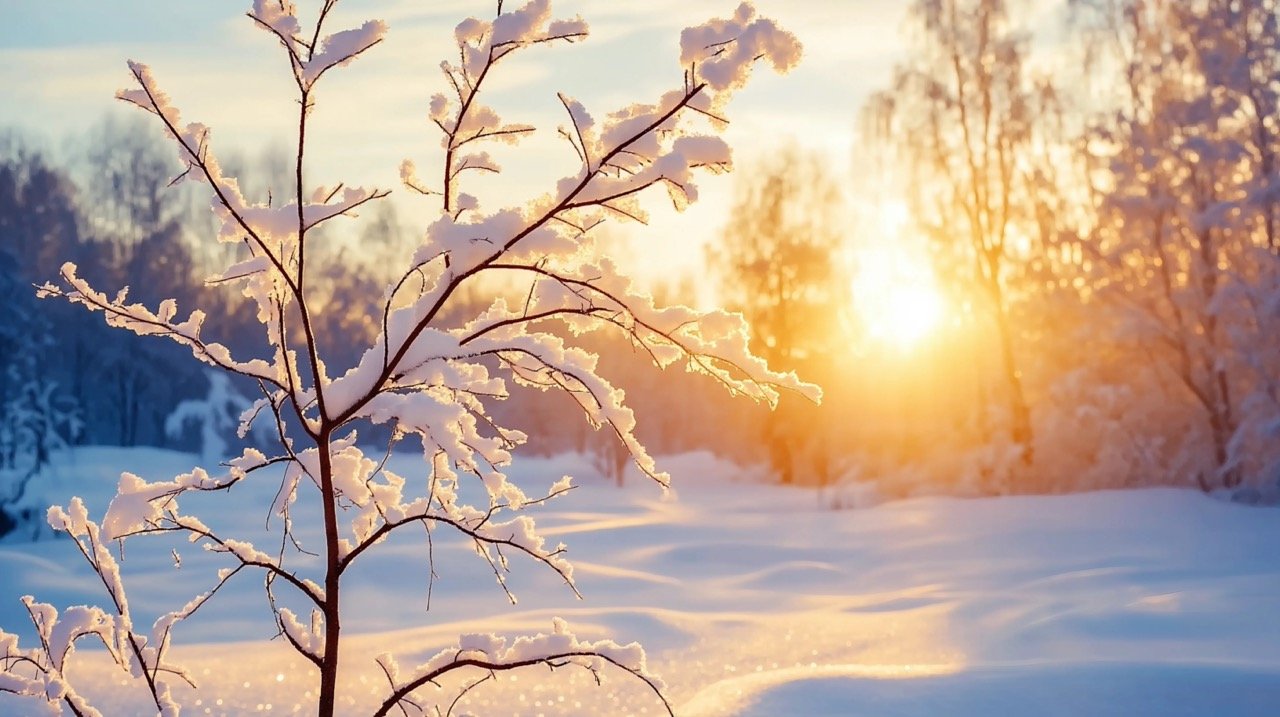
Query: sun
[
  {"x": 894, "y": 290},
  {"x": 901, "y": 313},
  {"x": 898, "y": 303}
]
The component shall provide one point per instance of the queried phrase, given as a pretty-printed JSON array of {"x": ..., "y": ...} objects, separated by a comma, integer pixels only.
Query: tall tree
[
  {"x": 961, "y": 113},
  {"x": 1185, "y": 231},
  {"x": 779, "y": 262}
]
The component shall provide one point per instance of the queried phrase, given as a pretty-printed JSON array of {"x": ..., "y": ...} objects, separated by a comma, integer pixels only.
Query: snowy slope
[{"x": 756, "y": 600}]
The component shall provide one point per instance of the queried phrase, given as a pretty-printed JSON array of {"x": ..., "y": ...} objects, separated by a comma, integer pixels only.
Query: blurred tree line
[
  {"x": 1101, "y": 201},
  {"x": 65, "y": 378},
  {"x": 1100, "y": 207},
  {"x": 106, "y": 204}
]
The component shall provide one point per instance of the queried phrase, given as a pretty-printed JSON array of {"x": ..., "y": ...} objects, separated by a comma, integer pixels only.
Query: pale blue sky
[{"x": 61, "y": 62}]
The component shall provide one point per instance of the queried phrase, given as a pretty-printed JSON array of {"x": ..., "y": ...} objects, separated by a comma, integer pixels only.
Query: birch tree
[
  {"x": 961, "y": 112},
  {"x": 1186, "y": 219}
]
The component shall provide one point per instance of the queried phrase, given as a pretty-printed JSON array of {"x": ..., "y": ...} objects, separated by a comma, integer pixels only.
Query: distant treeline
[
  {"x": 105, "y": 204},
  {"x": 1099, "y": 185}
]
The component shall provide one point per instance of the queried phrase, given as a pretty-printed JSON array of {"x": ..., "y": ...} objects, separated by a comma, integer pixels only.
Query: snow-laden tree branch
[
  {"x": 425, "y": 377},
  {"x": 492, "y": 654}
]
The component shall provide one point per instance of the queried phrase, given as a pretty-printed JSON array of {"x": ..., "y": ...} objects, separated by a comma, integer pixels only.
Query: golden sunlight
[{"x": 894, "y": 289}]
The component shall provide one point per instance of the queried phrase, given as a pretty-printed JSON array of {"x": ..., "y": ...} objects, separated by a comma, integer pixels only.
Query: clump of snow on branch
[
  {"x": 723, "y": 51},
  {"x": 310, "y": 61}
]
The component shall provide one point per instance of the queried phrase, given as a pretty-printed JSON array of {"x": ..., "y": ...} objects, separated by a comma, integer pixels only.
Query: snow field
[{"x": 751, "y": 600}]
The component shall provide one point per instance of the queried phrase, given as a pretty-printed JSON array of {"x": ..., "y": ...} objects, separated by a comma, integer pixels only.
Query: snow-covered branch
[
  {"x": 145, "y": 322},
  {"x": 311, "y": 59},
  {"x": 714, "y": 343},
  {"x": 463, "y": 120},
  {"x": 519, "y": 533},
  {"x": 40, "y": 673},
  {"x": 492, "y": 653}
]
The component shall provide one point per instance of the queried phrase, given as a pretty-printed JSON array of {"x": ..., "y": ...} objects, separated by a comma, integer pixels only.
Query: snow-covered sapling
[
  {"x": 422, "y": 377},
  {"x": 35, "y": 424},
  {"x": 217, "y": 415}
]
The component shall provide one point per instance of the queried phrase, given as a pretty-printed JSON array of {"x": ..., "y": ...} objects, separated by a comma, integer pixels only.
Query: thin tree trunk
[
  {"x": 1019, "y": 413},
  {"x": 332, "y": 619}
]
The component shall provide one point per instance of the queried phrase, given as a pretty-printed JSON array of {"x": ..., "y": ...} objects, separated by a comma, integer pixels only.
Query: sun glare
[{"x": 894, "y": 289}]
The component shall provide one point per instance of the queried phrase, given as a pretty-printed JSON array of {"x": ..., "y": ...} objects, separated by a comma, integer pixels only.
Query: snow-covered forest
[{"x": 1039, "y": 259}]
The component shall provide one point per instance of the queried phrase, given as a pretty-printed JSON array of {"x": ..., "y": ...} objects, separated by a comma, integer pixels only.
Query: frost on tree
[
  {"x": 217, "y": 415},
  {"x": 432, "y": 383},
  {"x": 35, "y": 423}
]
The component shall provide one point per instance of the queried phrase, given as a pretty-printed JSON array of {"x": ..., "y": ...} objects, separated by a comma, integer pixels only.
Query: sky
[{"x": 61, "y": 64}]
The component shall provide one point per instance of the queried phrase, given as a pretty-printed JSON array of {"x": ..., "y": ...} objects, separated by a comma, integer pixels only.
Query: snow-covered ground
[{"x": 754, "y": 600}]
